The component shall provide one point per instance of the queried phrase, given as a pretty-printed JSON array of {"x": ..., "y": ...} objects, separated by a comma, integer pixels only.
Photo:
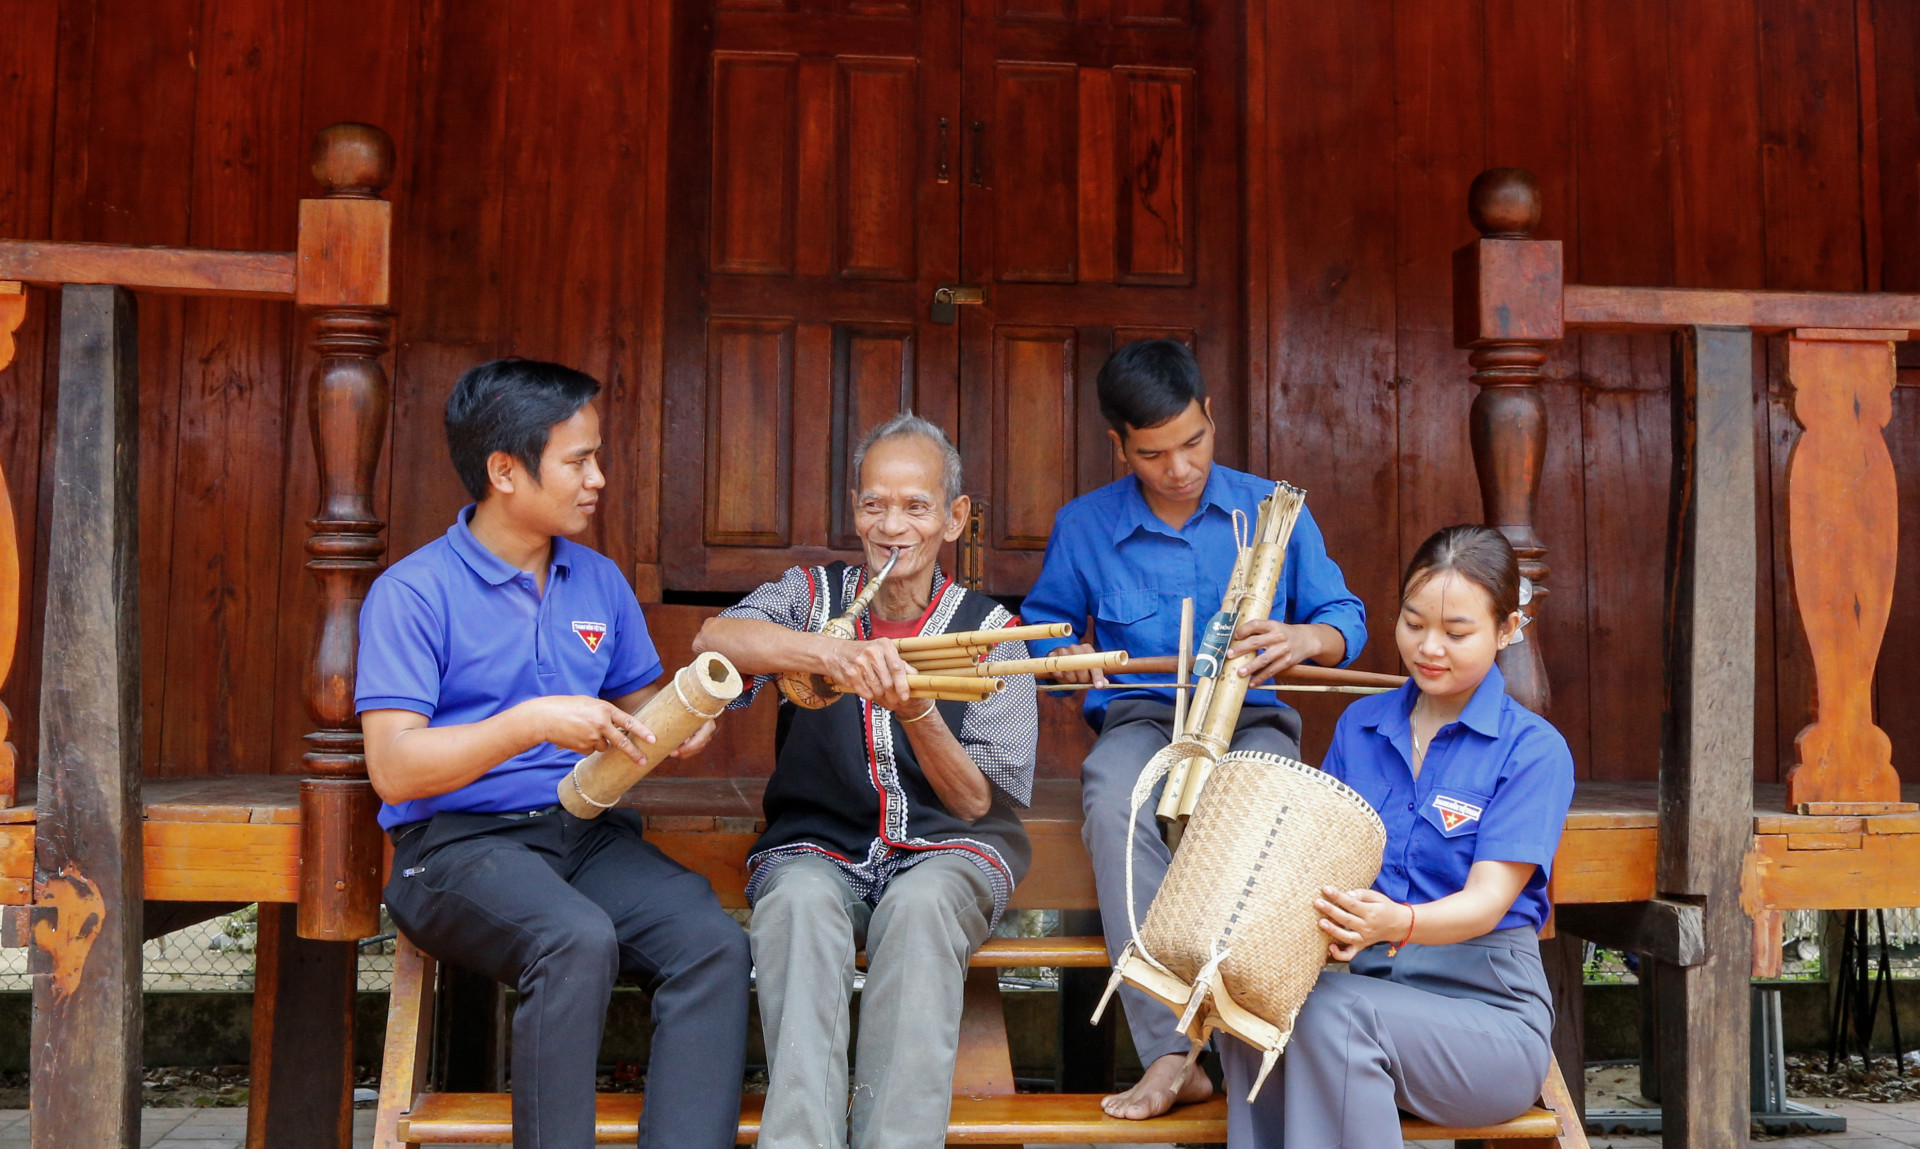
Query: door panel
[
  {"x": 811, "y": 227},
  {"x": 1098, "y": 120}
]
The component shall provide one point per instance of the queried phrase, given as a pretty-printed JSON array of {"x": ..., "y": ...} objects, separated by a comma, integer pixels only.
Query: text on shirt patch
[
  {"x": 1453, "y": 811},
  {"x": 590, "y": 633}
]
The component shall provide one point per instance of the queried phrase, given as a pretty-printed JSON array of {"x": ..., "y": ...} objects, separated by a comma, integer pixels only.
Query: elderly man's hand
[{"x": 873, "y": 670}]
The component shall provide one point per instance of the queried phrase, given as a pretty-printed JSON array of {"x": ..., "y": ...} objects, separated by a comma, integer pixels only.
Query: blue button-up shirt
[
  {"x": 1112, "y": 559},
  {"x": 458, "y": 634},
  {"x": 1495, "y": 787}
]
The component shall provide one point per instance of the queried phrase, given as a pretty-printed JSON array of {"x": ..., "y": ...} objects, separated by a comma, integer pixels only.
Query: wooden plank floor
[{"x": 237, "y": 839}]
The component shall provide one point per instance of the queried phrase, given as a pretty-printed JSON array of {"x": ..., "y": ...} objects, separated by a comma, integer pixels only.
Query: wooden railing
[
  {"x": 1834, "y": 353},
  {"x": 86, "y": 920}
]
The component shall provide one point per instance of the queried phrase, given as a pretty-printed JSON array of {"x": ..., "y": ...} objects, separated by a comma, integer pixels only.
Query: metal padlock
[{"x": 950, "y": 296}]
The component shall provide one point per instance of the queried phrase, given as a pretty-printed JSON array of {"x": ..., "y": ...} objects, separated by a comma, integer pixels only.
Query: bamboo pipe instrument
[
  {"x": 813, "y": 691},
  {"x": 1054, "y": 664},
  {"x": 1215, "y": 710},
  {"x": 981, "y": 639},
  {"x": 1303, "y": 675},
  {"x": 950, "y": 684},
  {"x": 696, "y": 694},
  {"x": 1184, "y": 661},
  {"x": 1281, "y": 687}
]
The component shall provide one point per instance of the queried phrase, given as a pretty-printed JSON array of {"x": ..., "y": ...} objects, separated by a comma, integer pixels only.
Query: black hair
[
  {"x": 510, "y": 405},
  {"x": 1145, "y": 384},
  {"x": 1481, "y": 555}
]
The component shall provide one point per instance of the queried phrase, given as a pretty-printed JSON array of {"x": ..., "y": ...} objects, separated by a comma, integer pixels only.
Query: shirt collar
[
  {"x": 1482, "y": 713},
  {"x": 489, "y": 566},
  {"x": 1139, "y": 516}
]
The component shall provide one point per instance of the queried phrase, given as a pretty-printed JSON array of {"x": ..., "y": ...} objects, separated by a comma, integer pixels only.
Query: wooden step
[
  {"x": 1021, "y": 1118},
  {"x": 1010, "y": 953}
]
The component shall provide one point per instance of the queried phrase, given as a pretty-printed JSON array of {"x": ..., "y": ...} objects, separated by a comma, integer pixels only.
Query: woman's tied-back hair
[
  {"x": 1480, "y": 555},
  {"x": 510, "y": 405},
  {"x": 908, "y": 423}
]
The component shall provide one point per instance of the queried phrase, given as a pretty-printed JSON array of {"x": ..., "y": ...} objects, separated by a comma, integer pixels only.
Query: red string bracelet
[{"x": 1412, "y": 917}]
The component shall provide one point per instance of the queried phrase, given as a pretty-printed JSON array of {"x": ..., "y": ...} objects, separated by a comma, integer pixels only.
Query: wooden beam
[
  {"x": 1706, "y": 766},
  {"x": 86, "y": 920},
  {"x": 1764, "y": 312},
  {"x": 13, "y": 310},
  {"x": 302, "y": 1070},
  {"x": 167, "y": 270},
  {"x": 1671, "y": 932}
]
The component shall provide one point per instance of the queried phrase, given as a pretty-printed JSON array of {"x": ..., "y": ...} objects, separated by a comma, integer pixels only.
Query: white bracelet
[
  {"x": 931, "y": 707},
  {"x": 573, "y": 776}
]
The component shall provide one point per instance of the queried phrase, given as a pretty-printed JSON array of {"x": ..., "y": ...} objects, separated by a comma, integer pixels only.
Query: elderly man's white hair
[{"x": 908, "y": 423}]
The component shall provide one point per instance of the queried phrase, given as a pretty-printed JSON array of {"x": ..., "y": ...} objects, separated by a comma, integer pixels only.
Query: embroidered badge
[
  {"x": 1454, "y": 813},
  {"x": 591, "y": 633}
]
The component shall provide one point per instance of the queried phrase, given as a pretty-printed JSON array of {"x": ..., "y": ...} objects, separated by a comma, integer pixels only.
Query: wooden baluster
[
  {"x": 1843, "y": 527},
  {"x": 1506, "y": 308},
  {"x": 13, "y": 309},
  {"x": 344, "y": 243}
]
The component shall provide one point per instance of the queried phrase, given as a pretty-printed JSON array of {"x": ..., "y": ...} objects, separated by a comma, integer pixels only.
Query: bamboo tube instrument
[
  {"x": 1215, "y": 710},
  {"x": 813, "y": 691},
  {"x": 697, "y": 693}
]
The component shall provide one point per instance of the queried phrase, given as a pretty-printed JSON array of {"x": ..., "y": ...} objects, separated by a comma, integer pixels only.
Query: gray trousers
[
  {"x": 1457, "y": 1034},
  {"x": 807, "y": 926},
  {"x": 1134, "y": 732}
]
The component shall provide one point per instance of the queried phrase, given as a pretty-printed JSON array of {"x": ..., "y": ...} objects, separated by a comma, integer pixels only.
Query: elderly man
[{"x": 890, "y": 819}]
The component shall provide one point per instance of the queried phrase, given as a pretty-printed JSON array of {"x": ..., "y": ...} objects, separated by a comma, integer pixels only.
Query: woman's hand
[{"x": 1357, "y": 919}]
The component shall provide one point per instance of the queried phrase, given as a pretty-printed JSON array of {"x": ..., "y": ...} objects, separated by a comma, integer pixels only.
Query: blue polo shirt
[
  {"x": 1495, "y": 787},
  {"x": 458, "y": 634},
  {"x": 1113, "y": 560}
]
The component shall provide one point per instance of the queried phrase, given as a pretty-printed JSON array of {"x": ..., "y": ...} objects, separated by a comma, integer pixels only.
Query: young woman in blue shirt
[{"x": 1443, "y": 1009}]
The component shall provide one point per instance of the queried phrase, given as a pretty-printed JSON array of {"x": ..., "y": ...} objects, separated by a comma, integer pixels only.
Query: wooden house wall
[{"x": 1700, "y": 142}]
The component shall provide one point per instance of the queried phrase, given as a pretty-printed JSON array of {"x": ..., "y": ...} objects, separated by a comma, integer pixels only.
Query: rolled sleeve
[
  {"x": 1316, "y": 591},
  {"x": 1525, "y": 816},
  {"x": 403, "y": 650},
  {"x": 1001, "y": 733}
]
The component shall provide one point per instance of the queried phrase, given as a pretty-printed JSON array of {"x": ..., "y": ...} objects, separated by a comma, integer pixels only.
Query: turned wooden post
[
  {"x": 1506, "y": 308},
  {"x": 13, "y": 309},
  {"x": 345, "y": 239}
]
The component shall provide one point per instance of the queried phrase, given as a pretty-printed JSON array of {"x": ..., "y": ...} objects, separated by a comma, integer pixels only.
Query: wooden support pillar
[
  {"x": 342, "y": 278},
  {"x": 86, "y": 920},
  {"x": 302, "y": 1063},
  {"x": 1706, "y": 766}
]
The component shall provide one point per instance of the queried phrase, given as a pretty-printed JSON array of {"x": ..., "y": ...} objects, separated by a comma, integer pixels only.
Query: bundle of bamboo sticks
[{"x": 954, "y": 667}]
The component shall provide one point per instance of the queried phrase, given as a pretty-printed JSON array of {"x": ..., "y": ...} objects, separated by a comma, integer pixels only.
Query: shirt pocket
[
  {"x": 1455, "y": 813},
  {"x": 1125, "y": 607}
]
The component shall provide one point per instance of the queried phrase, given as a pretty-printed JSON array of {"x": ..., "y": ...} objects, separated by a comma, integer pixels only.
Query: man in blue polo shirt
[
  {"x": 491, "y": 659},
  {"x": 1124, "y": 556}
]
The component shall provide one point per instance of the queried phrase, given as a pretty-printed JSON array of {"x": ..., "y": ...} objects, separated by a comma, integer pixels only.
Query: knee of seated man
[
  {"x": 584, "y": 945},
  {"x": 799, "y": 889}
]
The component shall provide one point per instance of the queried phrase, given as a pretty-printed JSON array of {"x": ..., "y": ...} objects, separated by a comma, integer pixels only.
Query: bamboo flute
[
  {"x": 1054, "y": 664},
  {"x": 1186, "y": 667},
  {"x": 982, "y": 639}
]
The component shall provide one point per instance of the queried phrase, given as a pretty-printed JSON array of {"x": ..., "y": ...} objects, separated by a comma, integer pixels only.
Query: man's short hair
[
  {"x": 1145, "y": 384},
  {"x": 510, "y": 405},
  {"x": 908, "y": 423}
]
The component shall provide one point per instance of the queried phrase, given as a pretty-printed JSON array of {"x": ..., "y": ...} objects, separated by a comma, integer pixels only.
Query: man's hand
[
  {"x": 697, "y": 741},
  {"x": 873, "y": 670},
  {"x": 1095, "y": 675},
  {"x": 1356, "y": 919},
  {"x": 584, "y": 725},
  {"x": 1280, "y": 646}
]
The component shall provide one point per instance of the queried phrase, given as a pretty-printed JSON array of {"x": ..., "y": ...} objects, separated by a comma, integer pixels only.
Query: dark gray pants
[
  {"x": 1457, "y": 1034},
  {"x": 1134, "y": 732},
  {"x": 557, "y": 907}
]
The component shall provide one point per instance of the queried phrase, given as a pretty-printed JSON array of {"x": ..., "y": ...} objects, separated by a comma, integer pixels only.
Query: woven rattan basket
[{"x": 1232, "y": 940}]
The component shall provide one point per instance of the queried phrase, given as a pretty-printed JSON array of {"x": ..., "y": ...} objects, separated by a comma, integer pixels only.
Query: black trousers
[{"x": 558, "y": 907}]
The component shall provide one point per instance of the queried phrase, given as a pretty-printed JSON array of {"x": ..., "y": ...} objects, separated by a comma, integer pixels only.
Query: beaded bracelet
[{"x": 1412, "y": 917}]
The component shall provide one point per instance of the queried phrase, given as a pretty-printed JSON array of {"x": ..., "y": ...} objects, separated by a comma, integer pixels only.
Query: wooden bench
[{"x": 708, "y": 825}]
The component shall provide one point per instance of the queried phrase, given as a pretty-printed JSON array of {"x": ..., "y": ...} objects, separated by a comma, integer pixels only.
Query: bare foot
[{"x": 1154, "y": 1094}]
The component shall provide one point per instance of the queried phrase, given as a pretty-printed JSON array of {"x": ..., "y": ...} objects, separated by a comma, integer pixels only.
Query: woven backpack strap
[{"x": 1191, "y": 746}]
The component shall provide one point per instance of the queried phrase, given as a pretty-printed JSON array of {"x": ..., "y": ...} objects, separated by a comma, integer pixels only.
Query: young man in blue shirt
[
  {"x": 1124, "y": 556},
  {"x": 491, "y": 659}
]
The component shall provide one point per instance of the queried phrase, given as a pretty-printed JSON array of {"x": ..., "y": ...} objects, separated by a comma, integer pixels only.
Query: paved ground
[{"x": 1869, "y": 1126}]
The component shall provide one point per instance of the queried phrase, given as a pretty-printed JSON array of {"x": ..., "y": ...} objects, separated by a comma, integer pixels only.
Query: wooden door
[
  {"x": 839, "y": 160},
  {"x": 1093, "y": 128},
  {"x": 814, "y": 213}
]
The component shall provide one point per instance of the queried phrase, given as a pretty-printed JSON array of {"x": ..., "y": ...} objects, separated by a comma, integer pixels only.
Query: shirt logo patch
[
  {"x": 590, "y": 633},
  {"x": 1454, "y": 813}
]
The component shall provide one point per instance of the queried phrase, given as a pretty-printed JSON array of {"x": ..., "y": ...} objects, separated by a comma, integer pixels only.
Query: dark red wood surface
[{"x": 1748, "y": 143}]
